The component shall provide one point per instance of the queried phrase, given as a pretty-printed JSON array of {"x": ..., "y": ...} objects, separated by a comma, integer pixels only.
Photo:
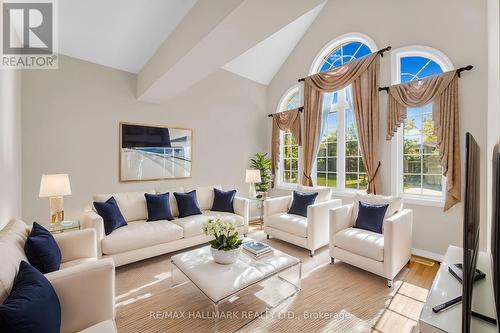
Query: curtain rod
[
  {"x": 381, "y": 52},
  {"x": 460, "y": 70},
  {"x": 299, "y": 109}
]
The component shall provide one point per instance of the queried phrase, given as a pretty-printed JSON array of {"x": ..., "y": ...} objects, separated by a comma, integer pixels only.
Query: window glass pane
[
  {"x": 321, "y": 164},
  {"x": 417, "y": 68},
  {"x": 431, "y": 185},
  {"x": 351, "y": 164},
  {"x": 289, "y": 158},
  {"x": 361, "y": 165},
  {"x": 332, "y": 179},
  {"x": 332, "y": 164},
  {"x": 431, "y": 165},
  {"x": 322, "y": 150},
  {"x": 412, "y": 184},
  {"x": 293, "y": 177},
  {"x": 321, "y": 178},
  {"x": 351, "y": 180},
  {"x": 412, "y": 164},
  {"x": 363, "y": 181}
]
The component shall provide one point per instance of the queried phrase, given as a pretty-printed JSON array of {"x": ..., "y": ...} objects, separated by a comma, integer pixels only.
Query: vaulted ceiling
[{"x": 173, "y": 44}]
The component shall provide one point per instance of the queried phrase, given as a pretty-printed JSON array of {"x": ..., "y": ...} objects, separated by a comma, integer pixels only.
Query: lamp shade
[
  {"x": 252, "y": 176},
  {"x": 54, "y": 185}
]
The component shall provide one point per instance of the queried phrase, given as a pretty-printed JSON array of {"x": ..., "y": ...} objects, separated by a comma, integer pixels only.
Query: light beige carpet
[{"x": 334, "y": 298}]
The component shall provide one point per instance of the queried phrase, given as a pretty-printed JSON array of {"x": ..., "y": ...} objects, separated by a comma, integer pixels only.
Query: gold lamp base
[{"x": 56, "y": 210}]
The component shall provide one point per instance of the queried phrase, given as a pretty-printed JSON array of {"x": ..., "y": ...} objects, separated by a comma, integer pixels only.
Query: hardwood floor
[
  {"x": 361, "y": 300},
  {"x": 402, "y": 313}
]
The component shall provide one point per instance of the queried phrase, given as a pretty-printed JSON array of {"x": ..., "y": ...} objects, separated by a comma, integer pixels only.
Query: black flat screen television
[
  {"x": 495, "y": 227},
  {"x": 471, "y": 228}
]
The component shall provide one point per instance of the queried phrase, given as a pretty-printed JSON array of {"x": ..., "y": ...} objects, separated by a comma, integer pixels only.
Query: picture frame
[{"x": 154, "y": 152}]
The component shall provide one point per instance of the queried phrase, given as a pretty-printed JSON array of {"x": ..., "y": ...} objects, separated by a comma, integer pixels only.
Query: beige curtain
[
  {"x": 363, "y": 75},
  {"x": 287, "y": 120},
  {"x": 442, "y": 91}
]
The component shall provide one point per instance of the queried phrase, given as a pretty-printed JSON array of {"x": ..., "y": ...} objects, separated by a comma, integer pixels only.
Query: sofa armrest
[
  {"x": 397, "y": 241},
  {"x": 86, "y": 293},
  {"x": 340, "y": 219},
  {"x": 318, "y": 222},
  {"x": 92, "y": 220},
  {"x": 276, "y": 205},
  {"x": 79, "y": 244},
  {"x": 241, "y": 207}
]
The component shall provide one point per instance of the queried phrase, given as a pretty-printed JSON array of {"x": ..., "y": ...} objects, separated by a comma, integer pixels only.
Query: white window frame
[
  {"x": 282, "y": 106},
  {"x": 340, "y": 189},
  {"x": 397, "y": 141}
]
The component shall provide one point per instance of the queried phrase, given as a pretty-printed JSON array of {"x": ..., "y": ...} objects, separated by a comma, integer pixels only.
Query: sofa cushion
[
  {"x": 324, "y": 193},
  {"x": 205, "y": 195},
  {"x": 173, "y": 203},
  {"x": 395, "y": 203},
  {"x": 361, "y": 242},
  {"x": 300, "y": 202},
  {"x": 12, "y": 239},
  {"x": 132, "y": 204},
  {"x": 192, "y": 225},
  {"x": 371, "y": 217},
  {"x": 293, "y": 224},
  {"x": 140, "y": 234},
  {"x": 111, "y": 215},
  {"x": 158, "y": 207},
  {"x": 223, "y": 201},
  {"x": 187, "y": 203},
  {"x": 42, "y": 250},
  {"x": 32, "y": 306}
]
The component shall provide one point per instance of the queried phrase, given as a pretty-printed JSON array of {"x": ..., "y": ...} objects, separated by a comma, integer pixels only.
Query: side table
[{"x": 64, "y": 226}]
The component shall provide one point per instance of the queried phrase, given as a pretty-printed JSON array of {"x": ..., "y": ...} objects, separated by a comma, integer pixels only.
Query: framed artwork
[{"x": 150, "y": 152}]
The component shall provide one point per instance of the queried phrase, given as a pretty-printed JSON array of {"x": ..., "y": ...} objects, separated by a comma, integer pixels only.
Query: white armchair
[
  {"x": 382, "y": 254},
  {"x": 309, "y": 232}
]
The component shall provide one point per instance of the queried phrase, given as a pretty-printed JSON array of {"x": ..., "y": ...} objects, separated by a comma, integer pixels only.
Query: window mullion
[{"x": 341, "y": 149}]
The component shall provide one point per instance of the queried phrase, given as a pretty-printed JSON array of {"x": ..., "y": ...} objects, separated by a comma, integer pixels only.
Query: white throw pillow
[
  {"x": 12, "y": 239},
  {"x": 395, "y": 203},
  {"x": 324, "y": 193},
  {"x": 132, "y": 204}
]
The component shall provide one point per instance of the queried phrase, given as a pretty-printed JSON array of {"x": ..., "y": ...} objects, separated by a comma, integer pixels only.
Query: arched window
[
  {"x": 417, "y": 161},
  {"x": 288, "y": 167},
  {"x": 339, "y": 163}
]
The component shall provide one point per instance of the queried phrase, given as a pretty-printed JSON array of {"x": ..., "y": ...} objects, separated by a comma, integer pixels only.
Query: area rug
[{"x": 334, "y": 298}]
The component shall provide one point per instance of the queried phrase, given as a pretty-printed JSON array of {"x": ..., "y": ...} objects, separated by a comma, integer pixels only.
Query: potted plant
[
  {"x": 226, "y": 246},
  {"x": 262, "y": 163}
]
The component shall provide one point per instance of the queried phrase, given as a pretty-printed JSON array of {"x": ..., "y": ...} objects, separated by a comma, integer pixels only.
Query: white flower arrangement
[{"x": 224, "y": 231}]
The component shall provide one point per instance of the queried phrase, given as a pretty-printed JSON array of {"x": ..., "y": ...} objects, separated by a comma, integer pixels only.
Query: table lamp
[
  {"x": 55, "y": 187},
  {"x": 252, "y": 176}
]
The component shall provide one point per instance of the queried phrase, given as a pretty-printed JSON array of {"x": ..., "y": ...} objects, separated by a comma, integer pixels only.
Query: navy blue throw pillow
[
  {"x": 42, "y": 250},
  {"x": 158, "y": 207},
  {"x": 32, "y": 306},
  {"x": 111, "y": 215},
  {"x": 223, "y": 201},
  {"x": 301, "y": 201},
  {"x": 371, "y": 217},
  {"x": 187, "y": 203}
]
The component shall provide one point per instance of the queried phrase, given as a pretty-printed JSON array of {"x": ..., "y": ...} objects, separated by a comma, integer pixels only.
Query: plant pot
[{"x": 225, "y": 257}]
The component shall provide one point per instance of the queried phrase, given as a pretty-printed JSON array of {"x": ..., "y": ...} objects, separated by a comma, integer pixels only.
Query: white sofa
[
  {"x": 140, "y": 239},
  {"x": 84, "y": 285},
  {"x": 382, "y": 254},
  {"x": 309, "y": 232}
]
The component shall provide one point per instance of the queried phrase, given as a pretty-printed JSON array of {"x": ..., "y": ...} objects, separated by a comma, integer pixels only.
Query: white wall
[
  {"x": 456, "y": 27},
  {"x": 10, "y": 145},
  {"x": 71, "y": 125}
]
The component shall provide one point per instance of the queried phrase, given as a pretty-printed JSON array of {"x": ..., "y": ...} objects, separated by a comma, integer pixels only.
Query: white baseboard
[{"x": 427, "y": 254}]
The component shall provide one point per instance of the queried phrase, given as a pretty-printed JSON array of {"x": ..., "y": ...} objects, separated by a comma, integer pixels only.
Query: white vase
[{"x": 225, "y": 257}]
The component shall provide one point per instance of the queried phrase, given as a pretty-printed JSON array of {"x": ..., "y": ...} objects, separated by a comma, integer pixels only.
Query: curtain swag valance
[
  {"x": 287, "y": 120},
  {"x": 442, "y": 91},
  {"x": 363, "y": 75}
]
